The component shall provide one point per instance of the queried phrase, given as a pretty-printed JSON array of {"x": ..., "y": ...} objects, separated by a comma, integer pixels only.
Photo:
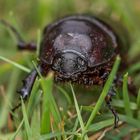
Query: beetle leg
[
  {"x": 26, "y": 88},
  {"x": 21, "y": 44},
  {"x": 26, "y": 46},
  {"x": 28, "y": 84},
  {"x": 108, "y": 100}
]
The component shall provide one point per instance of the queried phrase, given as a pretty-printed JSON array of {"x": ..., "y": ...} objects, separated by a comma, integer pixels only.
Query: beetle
[{"x": 80, "y": 49}]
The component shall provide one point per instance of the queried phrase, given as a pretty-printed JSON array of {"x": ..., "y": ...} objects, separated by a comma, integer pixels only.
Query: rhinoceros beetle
[{"x": 78, "y": 48}]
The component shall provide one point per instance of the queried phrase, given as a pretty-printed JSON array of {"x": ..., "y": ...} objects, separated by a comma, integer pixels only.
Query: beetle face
[{"x": 69, "y": 63}]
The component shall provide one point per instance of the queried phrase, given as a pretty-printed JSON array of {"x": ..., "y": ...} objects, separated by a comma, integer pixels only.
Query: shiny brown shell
[{"x": 86, "y": 35}]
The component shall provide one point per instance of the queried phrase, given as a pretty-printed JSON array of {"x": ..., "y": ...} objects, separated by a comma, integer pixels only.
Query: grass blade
[
  {"x": 26, "y": 122},
  {"x": 104, "y": 91},
  {"x": 79, "y": 114},
  {"x": 38, "y": 42},
  {"x": 65, "y": 94},
  {"x": 100, "y": 125},
  {"x": 138, "y": 99},
  {"x": 34, "y": 98},
  {"x": 47, "y": 89},
  {"x": 138, "y": 104},
  {"x": 126, "y": 97},
  {"x": 134, "y": 68},
  {"x": 130, "y": 120},
  {"x": 9, "y": 96},
  {"x": 57, "y": 134},
  {"x": 15, "y": 64},
  {"x": 49, "y": 107},
  {"x": 77, "y": 109},
  {"x": 17, "y": 131},
  {"x": 121, "y": 104}
]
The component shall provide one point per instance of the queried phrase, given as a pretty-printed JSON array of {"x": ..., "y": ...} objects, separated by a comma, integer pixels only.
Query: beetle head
[{"x": 69, "y": 63}]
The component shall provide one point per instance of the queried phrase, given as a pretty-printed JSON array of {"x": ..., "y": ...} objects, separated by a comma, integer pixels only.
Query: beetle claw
[
  {"x": 23, "y": 92},
  {"x": 27, "y": 85}
]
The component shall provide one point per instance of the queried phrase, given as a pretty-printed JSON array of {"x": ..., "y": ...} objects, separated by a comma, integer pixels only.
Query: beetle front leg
[
  {"x": 108, "y": 100},
  {"x": 28, "y": 84},
  {"x": 26, "y": 88},
  {"x": 21, "y": 44},
  {"x": 26, "y": 46}
]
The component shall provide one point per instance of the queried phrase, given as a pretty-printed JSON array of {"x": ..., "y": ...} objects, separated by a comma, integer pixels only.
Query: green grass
[
  {"x": 56, "y": 111},
  {"x": 126, "y": 97}
]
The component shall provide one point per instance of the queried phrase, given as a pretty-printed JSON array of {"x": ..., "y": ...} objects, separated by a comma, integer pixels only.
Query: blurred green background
[{"x": 29, "y": 18}]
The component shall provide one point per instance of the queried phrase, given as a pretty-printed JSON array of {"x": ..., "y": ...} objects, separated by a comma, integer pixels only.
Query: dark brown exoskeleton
[{"x": 80, "y": 49}]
